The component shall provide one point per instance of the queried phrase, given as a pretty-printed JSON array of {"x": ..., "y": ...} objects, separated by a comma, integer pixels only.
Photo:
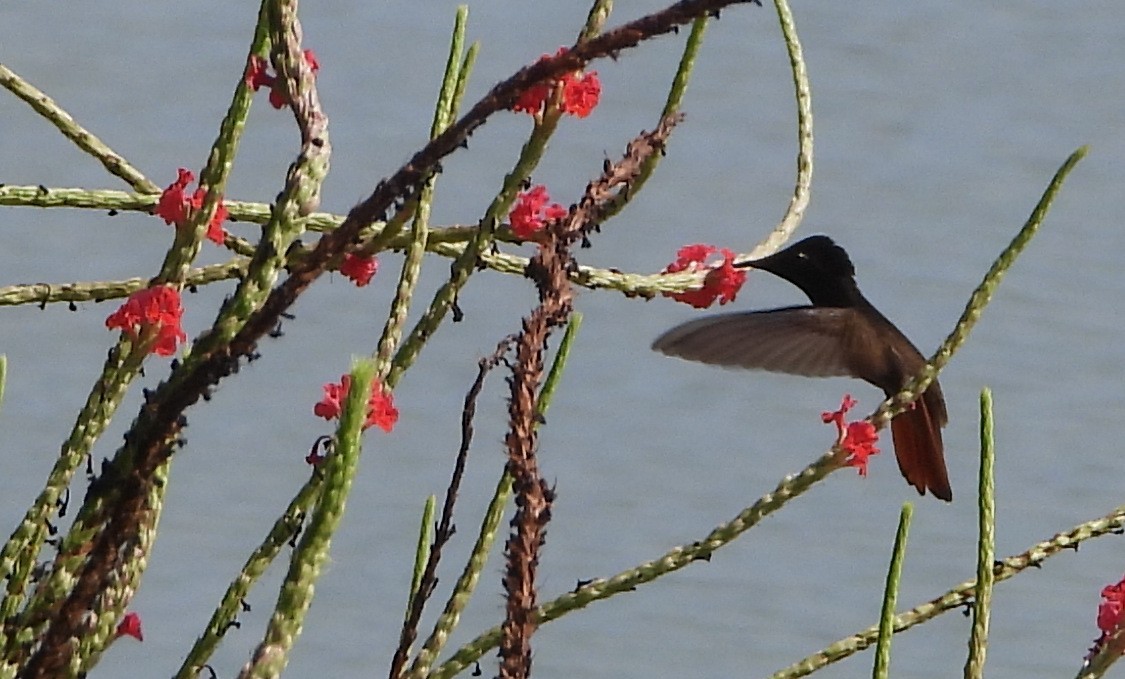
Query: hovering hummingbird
[{"x": 839, "y": 334}]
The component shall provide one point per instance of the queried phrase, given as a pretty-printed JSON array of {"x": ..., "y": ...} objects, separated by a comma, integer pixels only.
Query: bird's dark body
[{"x": 839, "y": 334}]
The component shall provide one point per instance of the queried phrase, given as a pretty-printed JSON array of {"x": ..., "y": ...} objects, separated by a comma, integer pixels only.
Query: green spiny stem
[
  {"x": 960, "y": 596},
  {"x": 308, "y": 559},
  {"x": 472, "y": 252},
  {"x": 422, "y": 549},
  {"x": 671, "y": 105},
  {"x": 220, "y": 164},
  {"x": 595, "y": 19},
  {"x": 671, "y": 561},
  {"x": 882, "y": 666},
  {"x": 978, "y": 301},
  {"x": 445, "y": 111},
  {"x": 447, "y": 241},
  {"x": 802, "y": 190},
  {"x": 301, "y": 191},
  {"x": 986, "y": 543},
  {"x": 20, "y": 553},
  {"x": 43, "y": 293},
  {"x": 83, "y": 138},
  {"x": 284, "y": 531}
]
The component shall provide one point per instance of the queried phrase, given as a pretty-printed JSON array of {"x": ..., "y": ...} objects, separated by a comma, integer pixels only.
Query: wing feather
[{"x": 801, "y": 340}]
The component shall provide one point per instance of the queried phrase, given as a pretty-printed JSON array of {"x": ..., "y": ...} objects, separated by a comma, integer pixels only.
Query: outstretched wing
[{"x": 802, "y": 340}]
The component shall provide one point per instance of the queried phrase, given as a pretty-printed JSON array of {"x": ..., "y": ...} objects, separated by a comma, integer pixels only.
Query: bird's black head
[{"x": 816, "y": 265}]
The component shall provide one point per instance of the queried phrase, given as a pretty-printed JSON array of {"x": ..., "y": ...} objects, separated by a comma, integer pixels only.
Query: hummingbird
[{"x": 840, "y": 334}]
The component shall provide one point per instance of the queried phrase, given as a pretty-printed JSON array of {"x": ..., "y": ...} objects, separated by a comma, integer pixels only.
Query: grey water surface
[{"x": 937, "y": 128}]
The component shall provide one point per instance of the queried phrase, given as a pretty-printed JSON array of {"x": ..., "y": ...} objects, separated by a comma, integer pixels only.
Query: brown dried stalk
[
  {"x": 549, "y": 268},
  {"x": 445, "y": 528}
]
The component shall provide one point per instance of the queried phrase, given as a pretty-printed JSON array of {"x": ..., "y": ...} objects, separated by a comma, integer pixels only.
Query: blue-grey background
[{"x": 937, "y": 128}]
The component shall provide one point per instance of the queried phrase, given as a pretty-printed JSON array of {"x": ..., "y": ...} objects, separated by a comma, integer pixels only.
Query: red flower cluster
[
  {"x": 857, "y": 438},
  {"x": 174, "y": 207},
  {"x": 258, "y": 75},
  {"x": 153, "y": 316},
  {"x": 532, "y": 211},
  {"x": 360, "y": 269},
  {"x": 1111, "y": 613},
  {"x": 722, "y": 281},
  {"x": 578, "y": 93},
  {"x": 381, "y": 411},
  {"x": 130, "y": 626},
  {"x": 581, "y": 93}
]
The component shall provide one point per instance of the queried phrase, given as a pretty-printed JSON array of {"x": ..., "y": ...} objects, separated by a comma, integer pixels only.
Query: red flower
[
  {"x": 532, "y": 211},
  {"x": 130, "y": 626},
  {"x": 860, "y": 441},
  {"x": 581, "y": 92},
  {"x": 215, "y": 232},
  {"x": 722, "y": 281},
  {"x": 856, "y": 438},
  {"x": 313, "y": 62},
  {"x": 257, "y": 73},
  {"x": 258, "y": 76},
  {"x": 532, "y": 99},
  {"x": 153, "y": 316},
  {"x": 578, "y": 93},
  {"x": 359, "y": 268},
  {"x": 174, "y": 207},
  {"x": 1111, "y": 612},
  {"x": 381, "y": 411},
  {"x": 332, "y": 404}
]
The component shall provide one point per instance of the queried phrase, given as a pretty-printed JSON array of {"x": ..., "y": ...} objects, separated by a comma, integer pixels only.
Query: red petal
[
  {"x": 311, "y": 60},
  {"x": 130, "y": 626},
  {"x": 581, "y": 93},
  {"x": 359, "y": 269},
  {"x": 257, "y": 73},
  {"x": 381, "y": 409}
]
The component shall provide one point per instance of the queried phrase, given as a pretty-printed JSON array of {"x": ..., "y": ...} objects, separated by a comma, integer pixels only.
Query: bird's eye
[{"x": 802, "y": 255}]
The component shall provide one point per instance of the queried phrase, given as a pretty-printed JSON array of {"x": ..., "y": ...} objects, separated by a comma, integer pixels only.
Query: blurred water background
[{"x": 937, "y": 128}]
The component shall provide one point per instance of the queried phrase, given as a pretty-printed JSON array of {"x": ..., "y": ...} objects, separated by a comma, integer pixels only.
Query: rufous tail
[{"x": 918, "y": 449}]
